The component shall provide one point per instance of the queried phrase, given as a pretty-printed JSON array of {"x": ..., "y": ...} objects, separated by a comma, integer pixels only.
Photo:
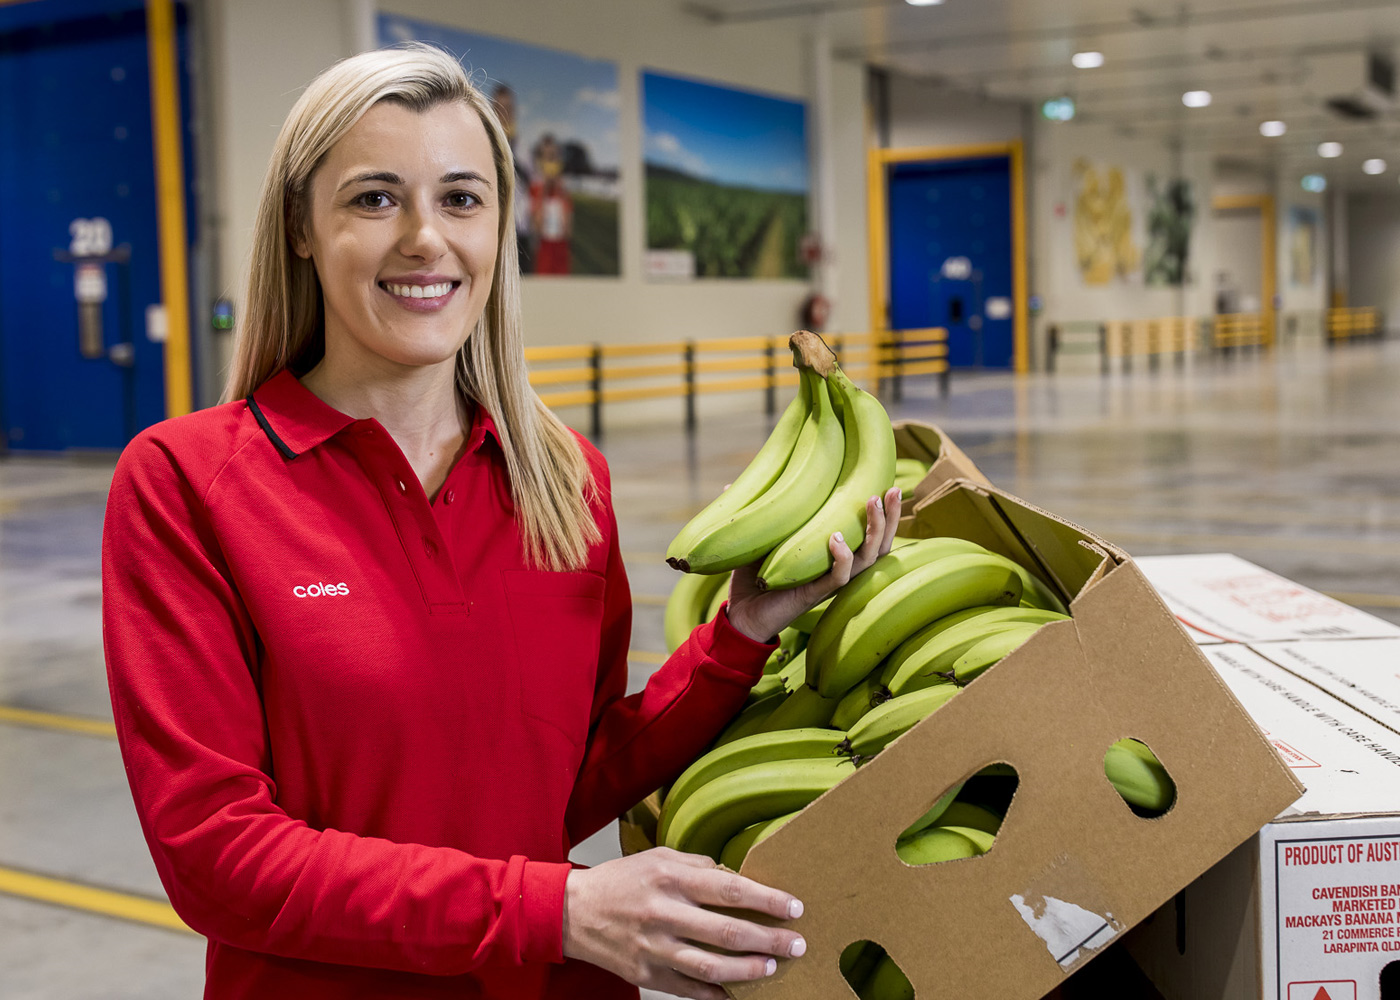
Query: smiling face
[{"x": 403, "y": 230}]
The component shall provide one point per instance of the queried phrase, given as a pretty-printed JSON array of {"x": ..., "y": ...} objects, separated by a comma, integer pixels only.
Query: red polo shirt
[{"x": 362, "y": 734}]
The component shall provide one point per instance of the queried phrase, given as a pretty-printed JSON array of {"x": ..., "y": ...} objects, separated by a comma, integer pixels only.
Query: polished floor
[{"x": 1291, "y": 460}]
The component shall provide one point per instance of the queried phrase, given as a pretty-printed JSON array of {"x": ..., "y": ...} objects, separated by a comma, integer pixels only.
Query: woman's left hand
[{"x": 762, "y": 614}]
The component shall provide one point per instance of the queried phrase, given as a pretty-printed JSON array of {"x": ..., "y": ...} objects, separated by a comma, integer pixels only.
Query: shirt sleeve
[
  {"x": 641, "y": 741},
  {"x": 182, "y": 655}
]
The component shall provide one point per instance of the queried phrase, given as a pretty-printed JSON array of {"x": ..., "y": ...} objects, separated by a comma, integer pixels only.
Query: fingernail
[
  {"x": 795, "y": 910},
  {"x": 839, "y": 537},
  {"x": 798, "y": 949},
  {"x": 770, "y": 967}
]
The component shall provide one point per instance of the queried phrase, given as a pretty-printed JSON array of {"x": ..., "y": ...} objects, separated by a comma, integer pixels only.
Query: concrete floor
[{"x": 1291, "y": 460}]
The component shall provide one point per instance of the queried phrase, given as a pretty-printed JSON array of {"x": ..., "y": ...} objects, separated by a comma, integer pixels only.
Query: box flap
[
  {"x": 1070, "y": 852},
  {"x": 1233, "y": 599},
  {"x": 1347, "y": 761},
  {"x": 928, "y": 443}
]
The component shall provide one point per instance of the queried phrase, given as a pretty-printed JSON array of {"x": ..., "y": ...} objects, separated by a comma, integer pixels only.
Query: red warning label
[{"x": 1339, "y": 989}]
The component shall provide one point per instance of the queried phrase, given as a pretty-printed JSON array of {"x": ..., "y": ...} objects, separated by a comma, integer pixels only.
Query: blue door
[
  {"x": 76, "y": 163},
  {"x": 950, "y": 255}
]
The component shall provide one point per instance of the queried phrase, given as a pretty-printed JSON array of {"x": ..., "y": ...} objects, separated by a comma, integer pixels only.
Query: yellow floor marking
[
  {"x": 642, "y": 656},
  {"x": 650, "y": 600},
  {"x": 109, "y": 903},
  {"x": 1366, "y": 600},
  {"x": 52, "y": 720}
]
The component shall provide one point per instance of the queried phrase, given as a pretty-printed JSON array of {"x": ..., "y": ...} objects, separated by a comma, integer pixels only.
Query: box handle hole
[
  {"x": 963, "y": 822},
  {"x": 1390, "y": 981},
  {"x": 1140, "y": 778},
  {"x": 873, "y": 974}
]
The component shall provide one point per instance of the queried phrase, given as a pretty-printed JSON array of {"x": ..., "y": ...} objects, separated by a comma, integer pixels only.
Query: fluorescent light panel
[
  {"x": 1272, "y": 128},
  {"x": 1329, "y": 150},
  {"x": 1196, "y": 98},
  {"x": 1087, "y": 60}
]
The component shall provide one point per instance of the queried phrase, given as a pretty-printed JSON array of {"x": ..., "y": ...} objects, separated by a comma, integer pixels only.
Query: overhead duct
[{"x": 1358, "y": 86}]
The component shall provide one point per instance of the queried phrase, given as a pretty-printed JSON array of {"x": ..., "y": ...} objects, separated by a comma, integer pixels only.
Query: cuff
[
  {"x": 731, "y": 648},
  {"x": 542, "y": 906}
]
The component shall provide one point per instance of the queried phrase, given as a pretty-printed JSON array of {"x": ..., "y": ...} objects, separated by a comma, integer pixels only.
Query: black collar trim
[{"x": 277, "y": 442}]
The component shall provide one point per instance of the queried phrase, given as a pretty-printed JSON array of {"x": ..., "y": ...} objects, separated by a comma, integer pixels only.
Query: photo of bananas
[
  {"x": 853, "y": 674},
  {"x": 832, "y": 448}
]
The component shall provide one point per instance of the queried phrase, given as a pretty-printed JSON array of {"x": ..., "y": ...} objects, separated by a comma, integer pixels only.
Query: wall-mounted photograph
[
  {"x": 726, "y": 181},
  {"x": 560, "y": 111}
]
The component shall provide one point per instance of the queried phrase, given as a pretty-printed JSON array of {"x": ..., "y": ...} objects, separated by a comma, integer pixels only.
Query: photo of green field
[
  {"x": 726, "y": 181},
  {"x": 733, "y": 232}
]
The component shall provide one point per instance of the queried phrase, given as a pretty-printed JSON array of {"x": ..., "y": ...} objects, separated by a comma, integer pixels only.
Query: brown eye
[
  {"x": 463, "y": 199},
  {"x": 373, "y": 199}
]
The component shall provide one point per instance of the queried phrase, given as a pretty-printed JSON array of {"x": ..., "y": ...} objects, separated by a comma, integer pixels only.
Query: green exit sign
[{"x": 1058, "y": 109}]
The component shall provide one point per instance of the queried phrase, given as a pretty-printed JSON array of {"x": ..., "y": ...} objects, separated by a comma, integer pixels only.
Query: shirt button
[
  {"x": 449, "y": 496},
  {"x": 430, "y": 548}
]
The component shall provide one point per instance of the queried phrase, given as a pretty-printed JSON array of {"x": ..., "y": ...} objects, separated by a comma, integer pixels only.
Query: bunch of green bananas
[{"x": 831, "y": 450}]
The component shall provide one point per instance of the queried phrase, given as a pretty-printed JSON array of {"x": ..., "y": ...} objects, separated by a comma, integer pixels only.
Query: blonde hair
[{"x": 282, "y": 325}]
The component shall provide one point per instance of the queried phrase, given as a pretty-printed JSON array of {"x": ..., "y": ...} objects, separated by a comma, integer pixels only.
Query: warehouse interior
[{"x": 1140, "y": 264}]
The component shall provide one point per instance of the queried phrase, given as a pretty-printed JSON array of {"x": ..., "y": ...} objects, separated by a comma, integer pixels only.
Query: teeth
[{"x": 419, "y": 291}]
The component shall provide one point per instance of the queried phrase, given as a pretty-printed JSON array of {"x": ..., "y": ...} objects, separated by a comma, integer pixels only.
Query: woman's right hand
[{"x": 644, "y": 918}]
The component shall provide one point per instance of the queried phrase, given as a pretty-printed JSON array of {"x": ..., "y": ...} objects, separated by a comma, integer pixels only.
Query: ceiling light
[
  {"x": 1087, "y": 60},
  {"x": 1375, "y": 166},
  {"x": 1315, "y": 183},
  {"x": 1196, "y": 98},
  {"x": 1273, "y": 128},
  {"x": 923, "y": 3},
  {"x": 1330, "y": 150}
]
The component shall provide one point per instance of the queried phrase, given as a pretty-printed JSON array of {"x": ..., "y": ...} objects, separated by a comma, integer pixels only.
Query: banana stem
[{"x": 810, "y": 351}]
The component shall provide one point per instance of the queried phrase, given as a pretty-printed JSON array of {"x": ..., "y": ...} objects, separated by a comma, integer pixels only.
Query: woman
[{"x": 366, "y": 623}]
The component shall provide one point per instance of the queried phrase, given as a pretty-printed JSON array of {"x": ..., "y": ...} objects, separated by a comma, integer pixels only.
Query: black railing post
[
  {"x": 690, "y": 387},
  {"x": 1053, "y": 344},
  {"x": 770, "y": 390},
  {"x": 1103, "y": 348},
  {"x": 595, "y": 360}
]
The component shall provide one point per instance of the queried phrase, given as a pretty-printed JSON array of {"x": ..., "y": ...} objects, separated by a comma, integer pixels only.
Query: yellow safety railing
[
  {"x": 1242, "y": 330},
  {"x": 1344, "y": 323},
  {"x": 594, "y": 374},
  {"x": 1164, "y": 335}
]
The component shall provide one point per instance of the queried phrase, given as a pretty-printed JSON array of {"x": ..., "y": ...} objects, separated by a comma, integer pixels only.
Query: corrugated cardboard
[
  {"x": 927, "y": 443},
  {"x": 1072, "y": 867},
  {"x": 1307, "y": 908}
]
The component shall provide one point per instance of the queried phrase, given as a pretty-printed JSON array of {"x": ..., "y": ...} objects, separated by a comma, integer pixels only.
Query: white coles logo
[{"x": 322, "y": 590}]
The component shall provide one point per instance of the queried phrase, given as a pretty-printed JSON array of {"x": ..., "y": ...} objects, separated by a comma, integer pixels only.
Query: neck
[{"x": 419, "y": 406}]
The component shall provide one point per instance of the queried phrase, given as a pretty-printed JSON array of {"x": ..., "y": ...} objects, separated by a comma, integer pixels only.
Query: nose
[{"x": 422, "y": 236}]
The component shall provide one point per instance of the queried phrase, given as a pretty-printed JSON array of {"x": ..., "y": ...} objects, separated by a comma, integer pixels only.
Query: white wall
[
  {"x": 267, "y": 51},
  {"x": 924, "y": 114},
  {"x": 1373, "y": 252}
]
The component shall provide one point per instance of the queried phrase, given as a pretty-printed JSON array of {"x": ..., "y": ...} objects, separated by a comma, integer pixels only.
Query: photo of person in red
[
  {"x": 551, "y": 210},
  {"x": 366, "y": 622}
]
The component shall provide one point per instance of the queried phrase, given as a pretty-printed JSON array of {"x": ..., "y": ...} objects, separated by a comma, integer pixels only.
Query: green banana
[
  {"x": 767, "y": 684},
  {"x": 911, "y": 467},
  {"x": 1139, "y": 776},
  {"x": 929, "y": 662},
  {"x": 800, "y": 709},
  {"x": 716, "y": 602},
  {"x": 789, "y": 744},
  {"x": 933, "y": 845},
  {"x": 851, "y": 599},
  {"x": 762, "y": 472},
  {"x": 750, "y": 718},
  {"x": 689, "y": 598},
  {"x": 883, "y": 724},
  {"x": 889, "y": 667},
  {"x": 794, "y": 673},
  {"x": 908, "y": 604},
  {"x": 858, "y": 961},
  {"x": 981, "y": 839},
  {"x": 887, "y": 982},
  {"x": 1037, "y": 594},
  {"x": 992, "y": 649},
  {"x": 945, "y": 802},
  {"x": 867, "y": 470},
  {"x": 798, "y": 493},
  {"x": 742, "y": 842},
  {"x": 970, "y": 815},
  {"x": 859, "y": 700},
  {"x": 720, "y": 808}
]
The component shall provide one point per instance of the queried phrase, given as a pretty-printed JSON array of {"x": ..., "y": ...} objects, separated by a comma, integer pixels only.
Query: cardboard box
[
  {"x": 947, "y": 462},
  {"x": 1072, "y": 867},
  {"x": 1223, "y": 598},
  {"x": 1308, "y": 909}
]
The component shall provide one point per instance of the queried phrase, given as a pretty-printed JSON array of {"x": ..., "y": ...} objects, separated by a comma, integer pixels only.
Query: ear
[{"x": 301, "y": 246}]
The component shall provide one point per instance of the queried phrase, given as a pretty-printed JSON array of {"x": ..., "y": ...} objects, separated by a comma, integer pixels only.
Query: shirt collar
[{"x": 296, "y": 420}]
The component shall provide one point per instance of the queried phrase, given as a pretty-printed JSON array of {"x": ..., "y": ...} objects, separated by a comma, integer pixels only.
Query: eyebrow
[{"x": 388, "y": 177}]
